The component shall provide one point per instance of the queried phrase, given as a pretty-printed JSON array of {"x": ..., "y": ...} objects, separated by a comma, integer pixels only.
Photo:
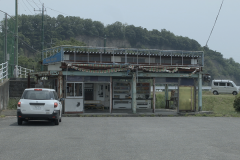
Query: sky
[{"x": 187, "y": 18}]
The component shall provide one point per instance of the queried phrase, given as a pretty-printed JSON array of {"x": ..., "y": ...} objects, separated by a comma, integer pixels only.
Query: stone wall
[
  {"x": 17, "y": 86},
  {"x": 4, "y": 94}
]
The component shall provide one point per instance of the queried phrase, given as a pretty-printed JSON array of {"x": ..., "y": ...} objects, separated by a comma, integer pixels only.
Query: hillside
[{"x": 74, "y": 30}]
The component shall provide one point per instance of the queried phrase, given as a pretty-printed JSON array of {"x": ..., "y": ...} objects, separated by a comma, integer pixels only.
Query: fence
[
  {"x": 3, "y": 71},
  {"x": 23, "y": 72}
]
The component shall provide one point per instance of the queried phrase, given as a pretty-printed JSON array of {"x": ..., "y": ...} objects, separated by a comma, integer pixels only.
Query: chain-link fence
[{"x": 7, "y": 41}]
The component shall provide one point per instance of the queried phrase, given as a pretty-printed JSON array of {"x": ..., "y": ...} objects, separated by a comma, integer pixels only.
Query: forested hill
[{"x": 71, "y": 30}]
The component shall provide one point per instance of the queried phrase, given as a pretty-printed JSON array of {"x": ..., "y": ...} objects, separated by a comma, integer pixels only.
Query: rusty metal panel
[{"x": 60, "y": 85}]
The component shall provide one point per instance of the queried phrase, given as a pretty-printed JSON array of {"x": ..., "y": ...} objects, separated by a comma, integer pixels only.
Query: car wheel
[
  {"x": 60, "y": 120},
  {"x": 19, "y": 120},
  {"x": 234, "y": 93},
  {"x": 215, "y": 92},
  {"x": 56, "y": 121}
]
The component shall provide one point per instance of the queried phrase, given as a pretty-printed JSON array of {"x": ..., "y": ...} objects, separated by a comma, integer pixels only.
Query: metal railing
[
  {"x": 23, "y": 72},
  {"x": 3, "y": 71},
  {"x": 56, "y": 54}
]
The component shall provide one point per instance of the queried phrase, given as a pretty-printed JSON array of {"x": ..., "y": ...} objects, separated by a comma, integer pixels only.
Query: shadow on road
[{"x": 34, "y": 123}]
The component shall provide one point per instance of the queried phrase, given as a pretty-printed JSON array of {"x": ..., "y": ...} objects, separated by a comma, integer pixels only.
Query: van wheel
[
  {"x": 215, "y": 92},
  {"x": 19, "y": 120},
  {"x": 234, "y": 93}
]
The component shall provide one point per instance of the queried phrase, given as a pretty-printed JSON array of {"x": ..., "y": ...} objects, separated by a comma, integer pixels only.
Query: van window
[
  {"x": 230, "y": 84},
  {"x": 222, "y": 84},
  {"x": 215, "y": 84}
]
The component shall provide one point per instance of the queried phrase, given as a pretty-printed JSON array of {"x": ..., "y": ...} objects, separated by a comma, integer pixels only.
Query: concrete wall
[
  {"x": 4, "y": 94},
  {"x": 17, "y": 86}
]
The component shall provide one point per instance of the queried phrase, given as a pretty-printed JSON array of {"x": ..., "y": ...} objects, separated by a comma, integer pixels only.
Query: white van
[{"x": 224, "y": 86}]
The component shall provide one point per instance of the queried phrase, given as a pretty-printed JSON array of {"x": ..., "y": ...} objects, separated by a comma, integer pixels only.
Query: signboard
[{"x": 53, "y": 58}]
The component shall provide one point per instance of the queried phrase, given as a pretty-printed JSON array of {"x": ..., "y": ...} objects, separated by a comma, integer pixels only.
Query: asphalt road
[{"x": 122, "y": 138}]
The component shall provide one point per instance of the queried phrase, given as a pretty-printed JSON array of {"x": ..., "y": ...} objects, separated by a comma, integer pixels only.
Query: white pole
[{"x": 7, "y": 70}]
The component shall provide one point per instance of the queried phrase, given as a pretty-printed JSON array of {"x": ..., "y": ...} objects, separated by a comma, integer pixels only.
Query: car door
[
  {"x": 222, "y": 87},
  {"x": 230, "y": 88}
]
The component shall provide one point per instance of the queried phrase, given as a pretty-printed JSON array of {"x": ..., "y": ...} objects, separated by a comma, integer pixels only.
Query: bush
[
  {"x": 236, "y": 103},
  {"x": 12, "y": 104}
]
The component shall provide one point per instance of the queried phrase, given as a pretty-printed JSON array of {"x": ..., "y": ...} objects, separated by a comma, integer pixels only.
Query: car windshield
[{"x": 37, "y": 95}]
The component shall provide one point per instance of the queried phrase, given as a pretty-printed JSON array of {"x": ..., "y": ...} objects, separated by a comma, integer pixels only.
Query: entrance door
[{"x": 88, "y": 91}]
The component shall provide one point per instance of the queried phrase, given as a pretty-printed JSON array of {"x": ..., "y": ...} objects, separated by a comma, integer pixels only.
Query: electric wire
[
  {"x": 30, "y": 4},
  {"x": 214, "y": 24},
  {"x": 9, "y": 31},
  {"x": 58, "y": 11},
  {"x": 26, "y": 6},
  {"x": 35, "y": 3}
]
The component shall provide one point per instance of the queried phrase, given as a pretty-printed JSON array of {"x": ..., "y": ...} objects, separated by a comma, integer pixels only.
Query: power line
[
  {"x": 29, "y": 4},
  {"x": 58, "y": 11},
  {"x": 28, "y": 45},
  {"x": 23, "y": 41},
  {"x": 35, "y": 3},
  {"x": 214, "y": 24},
  {"x": 26, "y": 6}
]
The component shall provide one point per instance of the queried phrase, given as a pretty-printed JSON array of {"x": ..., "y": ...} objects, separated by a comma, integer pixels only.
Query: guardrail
[
  {"x": 3, "y": 71},
  {"x": 23, "y": 72}
]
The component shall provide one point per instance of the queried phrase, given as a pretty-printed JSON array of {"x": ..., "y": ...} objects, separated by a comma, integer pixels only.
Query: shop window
[{"x": 74, "y": 90}]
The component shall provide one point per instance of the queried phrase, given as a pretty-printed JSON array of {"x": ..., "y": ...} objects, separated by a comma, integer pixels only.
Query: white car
[{"x": 39, "y": 104}]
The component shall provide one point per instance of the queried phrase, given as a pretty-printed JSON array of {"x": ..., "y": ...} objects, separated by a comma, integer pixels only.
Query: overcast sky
[{"x": 187, "y": 18}]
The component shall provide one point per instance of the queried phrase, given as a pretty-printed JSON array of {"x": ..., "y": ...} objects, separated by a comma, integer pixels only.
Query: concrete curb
[{"x": 159, "y": 114}]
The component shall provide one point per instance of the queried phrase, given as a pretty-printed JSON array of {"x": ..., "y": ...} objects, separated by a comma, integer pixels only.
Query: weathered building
[{"x": 121, "y": 78}]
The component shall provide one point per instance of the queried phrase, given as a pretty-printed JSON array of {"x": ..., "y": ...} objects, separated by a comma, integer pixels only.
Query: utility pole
[
  {"x": 5, "y": 54},
  {"x": 104, "y": 43},
  {"x": 42, "y": 34},
  {"x": 16, "y": 33}
]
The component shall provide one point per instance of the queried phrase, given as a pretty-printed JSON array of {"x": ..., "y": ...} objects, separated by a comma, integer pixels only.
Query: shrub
[{"x": 236, "y": 103}]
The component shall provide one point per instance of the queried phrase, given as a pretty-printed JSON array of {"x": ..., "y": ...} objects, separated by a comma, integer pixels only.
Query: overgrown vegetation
[
  {"x": 12, "y": 104},
  {"x": 236, "y": 103},
  {"x": 220, "y": 105}
]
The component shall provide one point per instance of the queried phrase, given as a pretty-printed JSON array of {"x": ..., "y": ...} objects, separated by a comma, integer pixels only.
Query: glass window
[
  {"x": 222, "y": 84},
  {"x": 55, "y": 95},
  {"x": 70, "y": 89},
  {"x": 37, "y": 95},
  {"x": 78, "y": 89},
  {"x": 74, "y": 89},
  {"x": 215, "y": 84},
  {"x": 230, "y": 84}
]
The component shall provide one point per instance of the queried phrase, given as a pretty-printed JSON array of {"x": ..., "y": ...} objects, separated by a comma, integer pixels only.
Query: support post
[
  {"x": 166, "y": 94},
  {"x": 111, "y": 87},
  {"x": 28, "y": 84},
  {"x": 60, "y": 85},
  {"x": 42, "y": 36},
  {"x": 5, "y": 54},
  {"x": 134, "y": 102},
  {"x": 16, "y": 33},
  {"x": 200, "y": 92},
  {"x": 154, "y": 96}
]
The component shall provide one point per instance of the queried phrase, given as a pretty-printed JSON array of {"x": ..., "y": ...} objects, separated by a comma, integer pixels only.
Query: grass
[
  {"x": 12, "y": 104},
  {"x": 221, "y": 105}
]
